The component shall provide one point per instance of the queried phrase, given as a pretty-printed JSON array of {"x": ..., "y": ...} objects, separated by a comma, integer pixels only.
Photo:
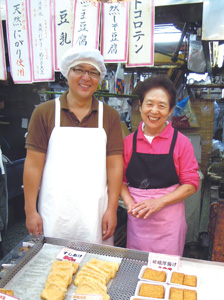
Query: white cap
[{"x": 78, "y": 55}]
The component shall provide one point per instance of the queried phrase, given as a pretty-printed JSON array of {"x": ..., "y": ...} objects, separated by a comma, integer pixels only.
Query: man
[{"x": 74, "y": 154}]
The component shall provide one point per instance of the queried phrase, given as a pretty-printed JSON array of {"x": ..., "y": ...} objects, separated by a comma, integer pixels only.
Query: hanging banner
[
  {"x": 3, "y": 74},
  {"x": 114, "y": 33},
  {"x": 41, "y": 40},
  {"x": 86, "y": 24},
  {"x": 141, "y": 28},
  {"x": 63, "y": 28},
  {"x": 18, "y": 40}
]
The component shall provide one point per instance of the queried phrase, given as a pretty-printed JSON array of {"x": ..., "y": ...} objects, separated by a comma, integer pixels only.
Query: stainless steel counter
[{"x": 122, "y": 287}]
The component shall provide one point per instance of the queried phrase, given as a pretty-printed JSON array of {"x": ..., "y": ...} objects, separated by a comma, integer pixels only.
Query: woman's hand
[{"x": 147, "y": 207}]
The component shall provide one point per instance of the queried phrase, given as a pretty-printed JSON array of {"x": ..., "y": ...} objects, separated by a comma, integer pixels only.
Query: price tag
[
  {"x": 6, "y": 297},
  {"x": 163, "y": 261},
  {"x": 87, "y": 297},
  {"x": 28, "y": 244},
  {"x": 71, "y": 255}
]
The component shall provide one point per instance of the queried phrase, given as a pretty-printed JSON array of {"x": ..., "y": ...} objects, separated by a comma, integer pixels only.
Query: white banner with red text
[
  {"x": 114, "y": 32},
  {"x": 18, "y": 40},
  {"x": 41, "y": 40},
  {"x": 141, "y": 28},
  {"x": 86, "y": 24}
]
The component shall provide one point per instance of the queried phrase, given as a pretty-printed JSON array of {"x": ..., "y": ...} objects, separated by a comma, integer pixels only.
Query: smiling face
[
  {"x": 82, "y": 86},
  {"x": 155, "y": 109}
]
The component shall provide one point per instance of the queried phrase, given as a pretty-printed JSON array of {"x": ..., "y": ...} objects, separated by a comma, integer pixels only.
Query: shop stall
[{"x": 29, "y": 266}]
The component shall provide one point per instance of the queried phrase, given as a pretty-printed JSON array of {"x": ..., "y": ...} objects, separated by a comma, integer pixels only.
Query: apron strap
[
  {"x": 173, "y": 142},
  {"x": 100, "y": 114},
  {"x": 57, "y": 112},
  {"x": 134, "y": 141}
]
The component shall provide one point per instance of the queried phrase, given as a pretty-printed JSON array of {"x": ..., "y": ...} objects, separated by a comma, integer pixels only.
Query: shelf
[{"x": 206, "y": 86}]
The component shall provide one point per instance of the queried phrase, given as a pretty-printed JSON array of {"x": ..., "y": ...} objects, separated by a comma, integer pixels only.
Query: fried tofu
[
  {"x": 155, "y": 275},
  {"x": 177, "y": 278},
  {"x": 176, "y": 294},
  {"x": 152, "y": 290},
  {"x": 190, "y": 280}
]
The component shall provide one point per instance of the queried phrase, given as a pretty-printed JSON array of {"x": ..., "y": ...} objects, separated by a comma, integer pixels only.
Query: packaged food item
[
  {"x": 177, "y": 278},
  {"x": 184, "y": 279},
  {"x": 151, "y": 290},
  {"x": 176, "y": 293},
  {"x": 148, "y": 273}
]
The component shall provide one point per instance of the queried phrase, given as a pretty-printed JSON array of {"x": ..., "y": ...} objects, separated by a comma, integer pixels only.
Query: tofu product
[
  {"x": 7, "y": 292},
  {"x": 183, "y": 279},
  {"x": 177, "y": 278},
  {"x": 182, "y": 294},
  {"x": 58, "y": 280},
  {"x": 151, "y": 290},
  {"x": 154, "y": 275},
  {"x": 176, "y": 294},
  {"x": 190, "y": 280},
  {"x": 94, "y": 276},
  {"x": 190, "y": 294}
]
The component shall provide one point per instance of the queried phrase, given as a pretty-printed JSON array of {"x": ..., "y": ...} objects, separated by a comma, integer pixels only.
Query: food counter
[{"x": 29, "y": 271}]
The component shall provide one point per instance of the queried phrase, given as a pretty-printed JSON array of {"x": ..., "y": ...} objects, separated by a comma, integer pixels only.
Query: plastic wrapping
[
  {"x": 196, "y": 59},
  {"x": 183, "y": 115}
]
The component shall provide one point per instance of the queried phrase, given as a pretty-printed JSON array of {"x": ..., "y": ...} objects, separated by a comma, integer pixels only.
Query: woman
[{"x": 160, "y": 171}]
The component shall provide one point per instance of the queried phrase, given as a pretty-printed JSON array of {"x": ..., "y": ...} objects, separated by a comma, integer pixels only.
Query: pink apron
[
  {"x": 164, "y": 231},
  {"x": 152, "y": 176}
]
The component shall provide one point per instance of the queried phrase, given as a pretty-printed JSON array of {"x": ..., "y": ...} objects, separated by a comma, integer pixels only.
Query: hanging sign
[
  {"x": 114, "y": 33},
  {"x": 3, "y": 74},
  {"x": 63, "y": 28},
  {"x": 86, "y": 24},
  {"x": 18, "y": 40},
  {"x": 41, "y": 40},
  {"x": 141, "y": 28}
]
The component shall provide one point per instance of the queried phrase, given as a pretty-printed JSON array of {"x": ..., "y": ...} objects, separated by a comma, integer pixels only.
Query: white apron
[{"x": 73, "y": 194}]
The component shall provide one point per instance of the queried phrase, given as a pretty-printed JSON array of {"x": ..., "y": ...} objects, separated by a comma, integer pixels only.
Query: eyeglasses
[{"x": 82, "y": 72}]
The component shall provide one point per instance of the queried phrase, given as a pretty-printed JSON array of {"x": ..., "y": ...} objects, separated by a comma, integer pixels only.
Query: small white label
[
  {"x": 6, "y": 297},
  {"x": 24, "y": 123},
  {"x": 86, "y": 297},
  {"x": 27, "y": 244},
  {"x": 71, "y": 255},
  {"x": 163, "y": 261}
]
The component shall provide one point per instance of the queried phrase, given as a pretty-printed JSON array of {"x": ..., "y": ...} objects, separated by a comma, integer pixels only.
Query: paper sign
[
  {"x": 163, "y": 261},
  {"x": 86, "y": 297},
  {"x": 18, "y": 37},
  {"x": 63, "y": 28},
  {"x": 27, "y": 244},
  {"x": 141, "y": 29},
  {"x": 71, "y": 255},
  {"x": 6, "y": 297},
  {"x": 86, "y": 24},
  {"x": 114, "y": 33},
  {"x": 3, "y": 74}
]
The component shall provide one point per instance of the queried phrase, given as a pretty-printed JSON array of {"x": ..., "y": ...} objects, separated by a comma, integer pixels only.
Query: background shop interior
[{"x": 202, "y": 80}]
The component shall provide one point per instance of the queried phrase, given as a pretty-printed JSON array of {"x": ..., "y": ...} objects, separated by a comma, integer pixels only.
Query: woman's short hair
[{"x": 158, "y": 81}]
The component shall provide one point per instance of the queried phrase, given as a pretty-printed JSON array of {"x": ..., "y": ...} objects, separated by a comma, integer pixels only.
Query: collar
[
  {"x": 164, "y": 134},
  {"x": 64, "y": 104}
]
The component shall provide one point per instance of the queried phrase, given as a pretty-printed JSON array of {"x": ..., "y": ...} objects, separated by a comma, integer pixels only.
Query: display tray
[{"x": 27, "y": 276}]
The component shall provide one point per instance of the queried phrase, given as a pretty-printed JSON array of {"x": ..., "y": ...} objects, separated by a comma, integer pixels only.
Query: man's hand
[
  {"x": 34, "y": 224},
  {"x": 109, "y": 223}
]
